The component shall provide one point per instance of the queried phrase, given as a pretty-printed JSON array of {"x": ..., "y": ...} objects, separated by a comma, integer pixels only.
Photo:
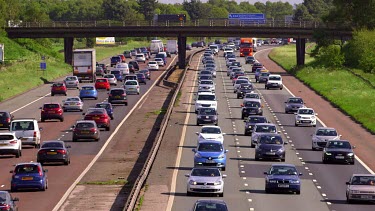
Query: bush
[{"x": 330, "y": 56}]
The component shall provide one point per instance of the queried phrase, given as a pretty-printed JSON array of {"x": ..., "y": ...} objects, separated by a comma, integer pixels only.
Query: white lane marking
[
  {"x": 242, "y": 166},
  {"x": 238, "y": 151},
  {"x": 324, "y": 195},
  {"x": 318, "y": 187},
  {"x": 247, "y": 192},
  {"x": 244, "y": 178},
  {"x": 246, "y": 184},
  {"x": 2, "y": 186},
  {"x": 71, "y": 188},
  {"x": 235, "y": 131},
  {"x": 140, "y": 106},
  {"x": 249, "y": 200},
  {"x": 252, "y": 209},
  {"x": 306, "y": 168},
  {"x": 329, "y": 203},
  {"x": 242, "y": 172},
  {"x": 236, "y": 139},
  {"x": 314, "y": 180},
  {"x": 30, "y": 103},
  {"x": 297, "y": 153},
  {"x": 310, "y": 174},
  {"x": 182, "y": 140}
]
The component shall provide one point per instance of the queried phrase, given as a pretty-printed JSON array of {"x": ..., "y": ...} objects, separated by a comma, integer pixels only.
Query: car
[
  {"x": 251, "y": 121},
  {"x": 188, "y": 47},
  {"x": 10, "y": 144},
  {"x": 163, "y": 56},
  {"x": 140, "y": 57},
  {"x": 141, "y": 78},
  {"x": 283, "y": 177},
  {"x": 322, "y": 135},
  {"x": 204, "y": 77},
  {"x": 107, "y": 106},
  {"x": 249, "y": 60},
  {"x": 51, "y": 111},
  {"x": 210, "y": 153},
  {"x": 274, "y": 81},
  {"x": 99, "y": 71},
  {"x": 117, "y": 96},
  {"x": 258, "y": 71},
  {"x": 131, "y": 68},
  {"x": 104, "y": 66},
  {"x": 210, "y": 204},
  {"x": 293, "y": 104},
  {"x": 71, "y": 82},
  {"x": 111, "y": 79},
  {"x": 206, "y": 86},
  {"x": 205, "y": 73},
  {"x": 210, "y": 133},
  {"x": 238, "y": 75},
  {"x": 146, "y": 72},
  {"x": 115, "y": 60},
  {"x": 100, "y": 116},
  {"x": 118, "y": 74},
  {"x": 266, "y": 42},
  {"x": 205, "y": 180},
  {"x": 305, "y": 116},
  {"x": 255, "y": 66},
  {"x": 251, "y": 107},
  {"x": 132, "y": 87},
  {"x": 5, "y": 119},
  {"x": 361, "y": 187},
  {"x": 230, "y": 55},
  {"x": 159, "y": 61},
  {"x": 147, "y": 54},
  {"x": 208, "y": 57},
  {"x": 262, "y": 128},
  {"x": 53, "y": 151},
  {"x": 123, "y": 59},
  {"x": 133, "y": 52},
  {"x": 270, "y": 146},
  {"x": 238, "y": 84},
  {"x": 28, "y": 176},
  {"x": 236, "y": 63},
  {"x": 230, "y": 61},
  {"x": 134, "y": 64},
  {"x": 252, "y": 96},
  {"x": 235, "y": 70},
  {"x": 7, "y": 202},
  {"x": 209, "y": 61},
  {"x": 72, "y": 103},
  {"x": 58, "y": 88},
  {"x": 194, "y": 44},
  {"x": 27, "y": 130},
  {"x": 263, "y": 77},
  {"x": 227, "y": 50},
  {"x": 130, "y": 77},
  {"x": 207, "y": 116},
  {"x": 102, "y": 83},
  {"x": 85, "y": 129},
  {"x": 212, "y": 70},
  {"x": 338, "y": 151},
  {"x": 205, "y": 100},
  {"x": 153, "y": 65},
  {"x": 230, "y": 69},
  {"x": 123, "y": 67},
  {"x": 200, "y": 44},
  {"x": 88, "y": 91},
  {"x": 128, "y": 54},
  {"x": 244, "y": 77}
]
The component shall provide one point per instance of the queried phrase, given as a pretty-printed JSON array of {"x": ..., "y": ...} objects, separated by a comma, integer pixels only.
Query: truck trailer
[{"x": 84, "y": 64}]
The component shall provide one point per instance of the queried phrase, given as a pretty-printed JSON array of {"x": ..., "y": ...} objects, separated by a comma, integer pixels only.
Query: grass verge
[
  {"x": 177, "y": 102},
  {"x": 351, "y": 94}
]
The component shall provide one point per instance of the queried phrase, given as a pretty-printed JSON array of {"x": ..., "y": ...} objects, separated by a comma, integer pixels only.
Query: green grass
[
  {"x": 178, "y": 98},
  {"x": 351, "y": 94},
  {"x": 370, "y": 77},
  {"x": 109, "y": 182}
]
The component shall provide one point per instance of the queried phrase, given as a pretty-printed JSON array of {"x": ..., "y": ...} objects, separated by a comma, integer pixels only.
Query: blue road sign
[
  {"x": 247, "y": 16},
  {"x": 43, "y": 65}
]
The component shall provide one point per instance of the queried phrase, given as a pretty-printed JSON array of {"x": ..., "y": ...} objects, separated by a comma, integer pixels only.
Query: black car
[
  {"x": 117, "y": 96},
  {"x": 251, "y": 108},
  {"x": 146, "y": 73},
  {"x": 200, "y": 44},
  {"x": 256, "y": 66},
  {"x": 251, "y": 121},
  {"x": 7, "y": 201},
  {"x": 104, "y": 66},
  {"x": 338, "y": 151},
  {"x": 53, "y": 151},
  {"x": 194, "y": 44},
  {"x": 207, "y": 116},
  {"x": 107, "y": 106},
  {"x": 141, "y": 78},
  {"x": 115, "y": 60},
  {"x": 243, "y": 89},
  {"x": 250, "y": 60},
  {"x": 131, "y": 68},
  {"x": 5, "y": 119},
  {"x": 270, "y": 146}
]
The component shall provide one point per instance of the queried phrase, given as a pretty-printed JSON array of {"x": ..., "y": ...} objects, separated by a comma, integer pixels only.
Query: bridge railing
[{"x": 195, "y": 23}]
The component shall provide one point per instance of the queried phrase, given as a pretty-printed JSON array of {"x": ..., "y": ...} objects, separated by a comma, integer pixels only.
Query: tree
[
  {"x": 301, "y": 13},
  {"x": 318, "y": 8},
  {"x": 196, "y": 9},
  {"x": 147, "y": 8}
]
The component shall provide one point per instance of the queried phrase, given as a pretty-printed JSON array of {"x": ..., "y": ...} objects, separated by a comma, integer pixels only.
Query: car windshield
[
  {"x": 210, "y": 147},
  {"x": 131, "y": 83},
  {"x": 305, "y": 111},
  {"x": 207, "y": 82},
  {"x": 339, "y": 144},
  {"x": 257, "y": 120},
  {"x": 102, "y": 105},
  {"x": 4, "y": 137},
  {"x": 101, "y": 80},
  {"x": 3, "y": 197},
  {"x": 83, "y": 125},
  {"x": 206, "y": 97},
  {"x": 295, "y": 100},
  {"x": 205, "y": 77},
  {"x": 117, "y": 92},
  {"x": 70, "y": 78},
  {"x": 265, "y": 129},
  {"x": 283, "y": 170},
  {"x": 264, "y": 74},
  {"x": 51, "y": 106},
  {"x": 95, "y": 111},
  {"x": 210, "y": 65},
  {"x": 207, "y": 111},
  {"x": 205, "y": 172},
  {"x": 228, "y": 49},
  {"x": 267, "y": 139},
  {"x": 363, "y": 180},
  {"x": 205, "y": 72},
  {"x": 253, "y": 96},
  {"x": 140, "y": 55},
  {"x": 72, "y": 99},
  {"x": 158, "y": 59},
  {"x": 115, "y": 72},
  {"x": 236, "y": 63},
  {"x": 109, "y": 76},
  {"x": 140, "y": 75},
  {"x": 242, "y": 81},
  {"x": 326, "y": 132},
  {"x": 152, "y": 63},
  {"x": 58, "y": 85},
  {"x": 22, "y": 125},
  {"x": 236, "y": 69},
  {"x": 88, "y": 88},
  {"x": 52, "y": 144},
  {"x": 252, "y": 104},
  {"x": 25, "y": 169},
  {"x": 250, "y": 58},
  {"x": 211, "y": 130},
  {"x": 274, "y": 78}
]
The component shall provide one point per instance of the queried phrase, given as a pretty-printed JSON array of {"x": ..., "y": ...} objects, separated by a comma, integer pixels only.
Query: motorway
[
  {"x": 60, "y": 178},
  {"x": 323, "y": 185}
]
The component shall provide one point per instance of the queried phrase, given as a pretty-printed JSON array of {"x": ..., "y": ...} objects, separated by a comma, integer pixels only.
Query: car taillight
[
  {"x": 123, "y": 95},
  {"x": 13, "y": 142},
  {"x": 40, "y": 171},
  {"x": 110, "y": 95},
  {"x": 41, "y": 151},
  {"x": 93, "y": 130},
  {"x": 8, "y": 120},
  {"x": 34, "y": 133},
  {"x": 4, "y": 207},
  {"x": 61, "y": 151}
]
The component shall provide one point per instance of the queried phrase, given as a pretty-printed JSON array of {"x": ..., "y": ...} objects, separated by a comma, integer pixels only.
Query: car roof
[
  {"x": 85, "y": 121},
  {"x": 268, "y": 124},
  {"x": 211, "y": 126},
  {"x": 24, "y": 119},
  {"x": 131, "y": 81},
  {"x": 50, "y": 141},
  {"x": 25, "y": 163},
  {"x": 274, "y": 75},
  {"x": 51, "y": 103},
  {"x": 340, "y": 141},
  {"x": 88, "y": 86},
  {"x": 283, "y": 164},
  {"x": 305, "y": 108},
  {"x": 211, "y": 200},
  {"x": 363, "y": 175},
  {"x": 206, "y": 93},
  {"x": 328, "y": 128}
]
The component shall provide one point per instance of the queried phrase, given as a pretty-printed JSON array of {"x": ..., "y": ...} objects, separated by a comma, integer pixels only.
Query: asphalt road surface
[{"x": 323, "y": 185}]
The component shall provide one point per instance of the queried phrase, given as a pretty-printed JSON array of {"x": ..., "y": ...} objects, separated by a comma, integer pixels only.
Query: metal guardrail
[{"x": 196, "y": 23}]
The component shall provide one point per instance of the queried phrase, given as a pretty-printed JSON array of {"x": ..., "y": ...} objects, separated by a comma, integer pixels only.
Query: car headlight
[
  {"x": 272, "y": 181},
  {"x": 299, "y": 117},
  {"x": 217, "y": 183},
  {"x": 294, "y": 181},
  {"x": 249, "y": 126},
  {"x": 281, "y": 150},
  {"x": 328, "y": 153},
  {"x": 198, "y": 155},
  {"x": 350, "y": 154},
  {"x": 192, "y": 182},
  {"x": 197, "y": 104},
  {"x": 213, "y": 104},
  {"x": 354, "y": 191},
  {"x": 199, "y": 116},
  {"x": 200, "y": 87},
  {"x": 221, "y": 156},
  {"x": 313, "y": 117}
]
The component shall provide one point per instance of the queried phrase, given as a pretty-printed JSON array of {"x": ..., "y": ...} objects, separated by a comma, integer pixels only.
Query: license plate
[
  {"x": 3, "y": 144},
  {"x": 1, "y": 124},
  {"x": 51, "y": 112},
  {"x": 117, "y": 97},
  {"x": 24, "y": 139},
  {"x": 283, "y": 185},
  {"x": 72, "y": 103},
  {"x": 270, "y": 153},
  {"x": 305, "y": 121},
  {"x": 27, "y": 178},
  {"x": 366, "y": 197},
  {"x": 52, "y": 153},
  {"x": 85, "y": 132},
  {"x": 339, "y": 157},
  {"x": 274, "y": 84},
  {"x": 131, "y": 89},
  {"x": 96, "y": 118},
  {"x": 210, "y": 161}
]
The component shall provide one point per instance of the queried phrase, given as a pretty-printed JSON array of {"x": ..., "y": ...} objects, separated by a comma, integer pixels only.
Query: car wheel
[
  {"x": 352, "y": 163},
  {"x": 268, "y": 190},
  {"x": 281, "y": 88},
  {"x": 42, "y": 120},
  {"x": 282, "y": 160},
  {"x": 18, "y": 154},
  {"x": 138, "y": 93},
  {"x": 65, "y": 94},
  {"x": 197, "y": 123},
  {"x": 98, "y": 139},
  {"x": 221, "y": 194},
  {"x": 126, "y": 104},
  {"x": 66, "y": 162},
  {"x": 313, "y": 149},
  {"x": 189, "y": 193},
  {"x": 314, "y": 125},
  {"x": 108, "y": 128},
  {"x": 52, "y": 94},
  {"x": 223, "y": 168},
  {"x": 324, "y": 161},
  {"x": 252, "y": 145},
  {"x": 62, "y": 119},
  {"x": 12, "y": 189},
  {"x": 298, "y": 192},
  {"x": 112, "y": 118},
  {"x": 256, "y": 158},
  {"x": 242, "y": 116},
  {"x": 295, "y": 124},
  {"x": 286, "y": 111},
  {"x": 238, "y": 97},
  {"x": 95, "y": 98},
  {"x": 74, "y": 139}
]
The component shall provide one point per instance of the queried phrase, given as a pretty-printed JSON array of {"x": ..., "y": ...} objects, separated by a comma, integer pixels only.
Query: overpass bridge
[{"x": 299, "y": 30}]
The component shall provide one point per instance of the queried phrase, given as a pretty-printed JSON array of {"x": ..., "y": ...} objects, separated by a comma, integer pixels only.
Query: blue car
[
  {"x": 88, "y": 91},
  {"x": 118, "y": 75},
  {"x": 283, "y": 177},
  {"x": 29, "y": 176},
  {"x": 107, "y": 106},
  {"x": 210, "y": 153}
]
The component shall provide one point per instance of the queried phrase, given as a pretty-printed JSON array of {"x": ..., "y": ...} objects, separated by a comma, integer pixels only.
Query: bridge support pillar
[
  {"x": 181, "y": 52},
  {"x": 68, "y": 50},
  {"x": 300, "y": 49}
]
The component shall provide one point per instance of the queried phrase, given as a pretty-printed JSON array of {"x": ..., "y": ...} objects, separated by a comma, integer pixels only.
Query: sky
[{"x": 292, "y": 2}]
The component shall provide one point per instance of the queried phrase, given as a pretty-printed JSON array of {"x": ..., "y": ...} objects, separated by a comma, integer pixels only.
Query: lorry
[
  {"x": 246, "y": 47},
  {"x": 172, "y": 46},
  {"x": 156, "y": 46},
  {"x": 84, "y": 64}
]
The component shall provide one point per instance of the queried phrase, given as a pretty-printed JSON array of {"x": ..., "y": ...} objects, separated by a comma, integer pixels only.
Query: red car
[
  {"x": 100, "y": 116},
  {"x": 102, "y": 83},
  {"x": 58, "y": 88},
  {"x": 52, "y": 111}
]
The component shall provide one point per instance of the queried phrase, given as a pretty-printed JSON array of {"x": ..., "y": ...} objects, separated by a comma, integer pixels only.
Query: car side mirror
[
  {"x": 11, "y": 171},
  {"x": 187, "y": 175},
  {"x": 340, "y": 135},
  {"x": 348, "y": 183},
  {"x": 194, "y": 150},
  {"x": 224, "y": 176},
  {"x": 354, "y": 147},
  {"x": 265, "y": 173},
  {"x": 226, "y": 151},
  {"x": 15, "y": 199},
  {"x": 316, "y": 114},
  {"x": 285, "y": 143},
  {"x": 68, "y": 146},
  {"x": 300, "y": 174},
  {"x": 73, "y": 126}
]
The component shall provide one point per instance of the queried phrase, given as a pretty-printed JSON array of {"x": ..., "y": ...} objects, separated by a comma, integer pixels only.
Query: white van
[
  {"x": 27, "y": 130},
  {"x": 156, "y": 46},
  {"x": 124, "y": 67},
  {"x": 172, "y": 46}
]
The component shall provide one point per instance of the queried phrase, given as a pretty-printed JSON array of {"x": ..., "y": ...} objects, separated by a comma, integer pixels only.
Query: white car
[
  {"x": 111, "y": 79},
  {"x": 124, "y": 67},
  {"x": 160, "y": 62},
  {"x": 71, "y": 82},
  {"x": 252, "y": 96},
  {"x": 207, "y": 180},
  {"x": 228, "y": 50},
  {"x": 211, "y": 133},
  {"x": 132, "y": 87},
  {"x": 322, "y": 135},
  {"x": 10, "y": 144},
  {"x": 153, "y": 65},
  {"x": 140, "y": 57},
  {"x": 206, "y": 86},
  {"x": 72, "y": 103},
  {"x": 205, "y": 100},
  {"x": 305, "y": 116},
  {"x": 27, "y": 130},
  {"x": 274, "y": 81}
]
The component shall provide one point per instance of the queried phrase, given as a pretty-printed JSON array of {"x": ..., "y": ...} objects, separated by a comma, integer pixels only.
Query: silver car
[
  {"x": 71, "y": 82},
  {"x": 212, "y": 70},
  {"x": 73, "y": 103},
  {"x": 205, "y": 73},
  {"x": 293, "y": 104},
  {"x": 262, "y": 128},
  {"x": 111, "y": 79},
  {"x": 132, "y": 87},
  {"x": 206, "y": 86},
  {"x": 361, "y": 187},
  {"x": 322, "y": 135},
  {"x": 205, "y": 180},
  {"x": 252, "y": 96},
  {"x": 238, "y": 84}
]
